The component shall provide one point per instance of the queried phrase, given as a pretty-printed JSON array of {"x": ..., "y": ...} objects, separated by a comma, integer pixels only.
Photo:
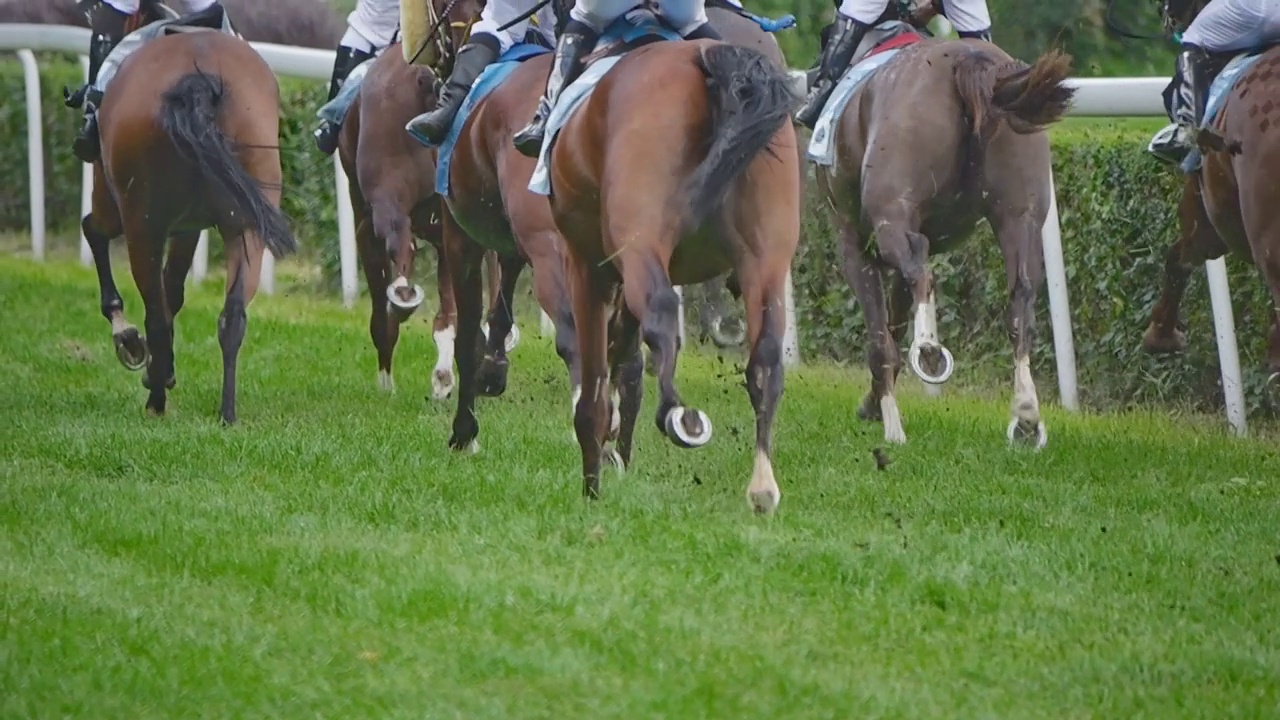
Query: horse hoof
[
  {"x": 442, "y": 384},
  {"x": 614, "y": 458},
  {"x": 764, "y": 502},
  {"x": 936, "y": 355},
  {"x": 688, "y": 428},
  {"x": 386, "y": 382},
  {"x": 491, "y": 380},
  {"x": 131, "y": 349},
  {"x": 169, "y": 384},
  {"x": 723, "y": 340},
  {"x": 1156, "y": 343},
  {"x": 1020, "y": 433},
  {"x": 404, "y": 298},
  {"x": 469, "y": 447}
]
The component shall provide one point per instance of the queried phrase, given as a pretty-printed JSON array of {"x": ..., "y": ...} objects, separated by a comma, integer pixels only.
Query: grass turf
[{"x": 329, "y": 558}]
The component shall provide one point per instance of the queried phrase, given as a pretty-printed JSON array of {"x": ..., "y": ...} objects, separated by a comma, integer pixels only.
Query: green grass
[{"x": 329, "y": 558}]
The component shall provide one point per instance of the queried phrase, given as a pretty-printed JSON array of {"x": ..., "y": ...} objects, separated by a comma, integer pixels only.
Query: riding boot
[
  {"x": 1175, "y": 141},
  {"x": 346, "y": 60},
  {"x": 836, "y": 57},
  {"x": 432, "y": 126},
  {"x": 107, "y": 24},
  {"x": 577, "y": 41}
]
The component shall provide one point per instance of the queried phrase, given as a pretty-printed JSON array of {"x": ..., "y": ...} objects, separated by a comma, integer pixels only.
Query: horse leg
[
  {"x": 1196, "y": 237},
  {"x": 502, "y": 318},
  {"x": 392, "y": 227},
  {"x": 1020, "y": 244},
  {"x": 653, "y": 300},
  {"x": 591, "y": 415},
  {"x": 494, "y": 282},
  {"x": 131, "y": 347},
  {"x": 725, "y": 331},
  {"x": 884, "y": 359},
  {"x": 382, "y": 331},
  {"x": 899, "y": 306},
  {"x": 764, "y": 289},
  {"x": 464, "y": 258},
  {"x": 146, "y": 254},
  {"x": 244, "y": 271},
  {"x": 444, "y": 329},
  {"x": 182, "y": 251},
  {"x": 626, "y": 375},
  {"x": 907, "y": 251},
  {"x": 551, "y": 289}
]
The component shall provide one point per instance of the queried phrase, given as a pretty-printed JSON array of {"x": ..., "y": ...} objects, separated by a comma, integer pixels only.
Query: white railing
[{"x": 1108, "y": 97}]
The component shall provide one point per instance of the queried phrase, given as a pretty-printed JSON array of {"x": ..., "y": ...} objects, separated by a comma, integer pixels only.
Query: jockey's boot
[
  {"x": 432, "y": 126},
  {"x": 836, "y": 57},
  {"x": 107, "y": 25},
  {"x": 346, "y": 60},
  {"x": 1175, "y": 141},
  {"x": 577, "y": 41}
]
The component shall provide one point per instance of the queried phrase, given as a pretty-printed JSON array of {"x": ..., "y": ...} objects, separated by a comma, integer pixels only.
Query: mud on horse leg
[{"x": 884, "y": 359}]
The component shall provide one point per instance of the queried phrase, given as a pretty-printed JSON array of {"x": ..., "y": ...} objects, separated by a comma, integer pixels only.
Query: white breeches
[
  {"x": 372, "y": 25},
  {"x": 684, "y": 15},
  {"x": 497, "y": 13},
  {"x": 130, "y": 7},
  {"x": 1230, "y": 25},
  {"x": 964, "y": 15}
]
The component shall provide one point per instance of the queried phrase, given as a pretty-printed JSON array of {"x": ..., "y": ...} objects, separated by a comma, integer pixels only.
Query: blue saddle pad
[
  {"x": 1218, "y": 91},
  {"x": 335, "y": 111},
  {"x": 822, "y": 146},
  {"x": 626, "y": 29},
  {"x": 489, "y": 79}
]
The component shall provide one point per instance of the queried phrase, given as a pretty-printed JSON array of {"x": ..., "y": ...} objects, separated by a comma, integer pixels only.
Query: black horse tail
[
  {"x": 189, "y": 115},
  {"x": 750, "y": 100}
]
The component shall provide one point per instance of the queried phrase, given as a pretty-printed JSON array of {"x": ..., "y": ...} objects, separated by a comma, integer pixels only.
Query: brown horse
[
  {"x": 1228, "y": 204},
  {"x": 190, "y": 140},
  {"x": 703, "y": 129},
  {"x": 977, "y": 151},
  {"x": 394, "y": 200},
  {"x": 487, "y": 173}
]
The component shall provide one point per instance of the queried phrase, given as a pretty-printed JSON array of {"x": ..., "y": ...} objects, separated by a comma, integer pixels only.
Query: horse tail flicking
[
  {"x": 189, "y": 116},
  {"x": 750, "y": 99},
  {"x": 1027, "y": 97}
]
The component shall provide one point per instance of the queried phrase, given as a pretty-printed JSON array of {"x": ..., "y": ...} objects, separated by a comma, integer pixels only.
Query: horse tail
[
  {"x": 189, "y": 115},
  {"x": 750, "y": 99},
  {"x": 1027, "y": 97}
]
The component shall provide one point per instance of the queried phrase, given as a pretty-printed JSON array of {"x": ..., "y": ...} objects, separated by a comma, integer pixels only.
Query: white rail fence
[{"x": 1105, "y": 97}]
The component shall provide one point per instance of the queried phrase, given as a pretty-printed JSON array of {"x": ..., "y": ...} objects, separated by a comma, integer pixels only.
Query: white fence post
[
  {"x": 200, "y": 263},
  {"x": 35, "y": 149},
  {"x": 1064, "y": 348},
  {"x": 346, "y": 233},
  {"x": 1224, "y": 326},
  {"x": 548, "y": 325},
  {"x": 791, "y": 335}
]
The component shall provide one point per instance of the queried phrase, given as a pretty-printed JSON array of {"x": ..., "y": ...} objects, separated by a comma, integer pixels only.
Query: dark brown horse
[
  {"x": 394, "y": 200},
  {"x": 1229, "y": 203},
  {"x": 190, "y": 140},
  {"x": 977, "y": 150},
  {"x": 680, "y": 166}
]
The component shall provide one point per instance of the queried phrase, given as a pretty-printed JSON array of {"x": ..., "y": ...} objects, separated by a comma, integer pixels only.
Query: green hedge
[{"x": 1117, "y": 213}]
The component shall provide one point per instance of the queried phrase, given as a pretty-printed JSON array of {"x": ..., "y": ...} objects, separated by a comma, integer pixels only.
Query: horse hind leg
[
  {"x": 907, "y": 251},
  {"x": 182, "y": 251},
  {"x": 244, "y": 270},
  {"x": 391, "y": 225},
  {"x": 763, "y": 296},
  {"x": 492, "y": 376},
  {"x": 382, "y": 331},
  {"x": 130, "y": 345},
  {"x": 626, "y": 376},
  {"x": 146, "y": 252},
  {"x": 1197, "y": 240},
  {"x": 1020, "y": 244},
  {"x": 884, "y": 359},
  {"x": 653, "y": 300}
]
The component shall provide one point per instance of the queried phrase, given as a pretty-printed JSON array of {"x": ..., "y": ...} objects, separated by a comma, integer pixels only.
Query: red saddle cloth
[{"x": 895, "y": 42}]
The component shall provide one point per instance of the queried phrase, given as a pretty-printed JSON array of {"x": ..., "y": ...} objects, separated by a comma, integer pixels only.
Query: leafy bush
[{"x": 1117, "y": 212}]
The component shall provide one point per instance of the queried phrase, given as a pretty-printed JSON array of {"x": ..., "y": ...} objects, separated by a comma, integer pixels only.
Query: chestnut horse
[
  {"x": 1228, "y": 202},
  {"x": 977, "y": 150},
  {"x": 190, "y": 140},
  {"x": 394, "y": 200},
  {"x": 680, "y": 165},
  {"x": 486, "y": 173}
]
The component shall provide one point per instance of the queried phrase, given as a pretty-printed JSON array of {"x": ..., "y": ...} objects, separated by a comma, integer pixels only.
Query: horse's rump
[{"x": 995, "y": 88}]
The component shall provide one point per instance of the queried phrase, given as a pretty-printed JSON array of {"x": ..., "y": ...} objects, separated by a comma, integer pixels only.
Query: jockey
[
  {"x": 1222, "y": 28},
  {"x": 489, "y": 38},
  {"x": 587, "y": 20},
  {"x": 370, "y": 28},
  {"x": 854, "y": 18},
  {"x": 107, "y": 22}
]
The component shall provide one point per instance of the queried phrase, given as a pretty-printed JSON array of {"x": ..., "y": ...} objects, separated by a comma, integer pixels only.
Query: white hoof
[
  {"x": 763, "y": 493},
  {"x": 614, "y": 458},
  {"x": 442, "y": 383},
  {"x": 386, "y": 381},
  {"x": 948, "y": 363},
  {"x": 409, "y": 305},
  {"x": 682, "y": 437},
  {"x": 473, "y": 447},
  {"x": 1015, "y": 437}
]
